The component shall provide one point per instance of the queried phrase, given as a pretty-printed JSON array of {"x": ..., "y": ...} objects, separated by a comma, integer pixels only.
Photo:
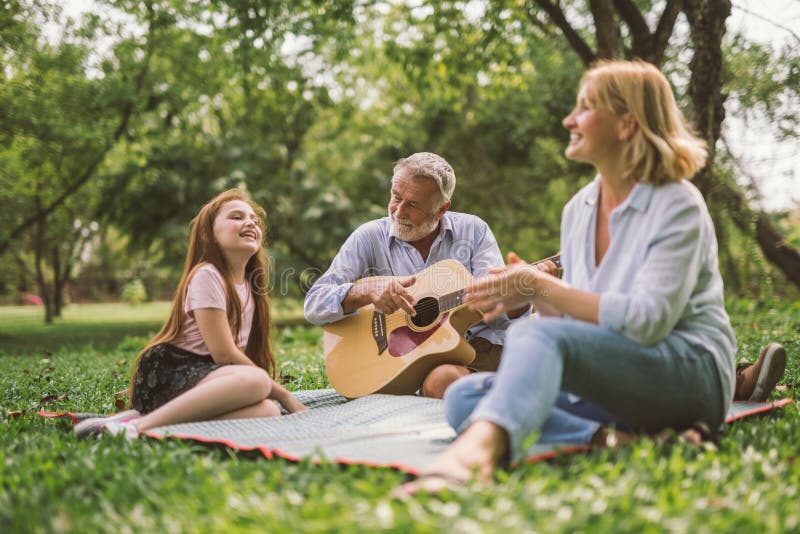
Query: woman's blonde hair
[
  {"x": 663, "y": 147},
  {"x": 204, "y": 249}
]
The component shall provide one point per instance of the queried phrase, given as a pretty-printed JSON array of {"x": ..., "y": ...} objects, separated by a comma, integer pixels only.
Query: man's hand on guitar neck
[{"x": 387, "y": 294}]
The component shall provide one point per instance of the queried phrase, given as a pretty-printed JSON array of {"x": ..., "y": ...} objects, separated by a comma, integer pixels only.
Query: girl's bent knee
[
  {"x": 268, "y": 408},
  {"x": 254, "y": 379}
]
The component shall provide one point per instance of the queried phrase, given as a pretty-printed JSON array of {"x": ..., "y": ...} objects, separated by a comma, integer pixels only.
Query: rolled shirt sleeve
[
  {"x": 323, "y": 302},
  {"x": 486, "y": 253}
]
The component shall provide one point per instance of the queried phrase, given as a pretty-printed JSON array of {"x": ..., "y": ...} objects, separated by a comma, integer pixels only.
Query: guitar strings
[
  {"x": 431, "y": 306},
  {"x": 426, "y": 307},
  {"x": 399, "y": 317}
]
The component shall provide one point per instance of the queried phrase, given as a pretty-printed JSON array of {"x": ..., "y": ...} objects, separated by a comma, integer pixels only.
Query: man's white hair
[{"x": 432, "y": 166}]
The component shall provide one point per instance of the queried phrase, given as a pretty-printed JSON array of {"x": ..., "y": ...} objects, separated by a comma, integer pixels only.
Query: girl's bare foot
[{"x": 474, "y": 455}]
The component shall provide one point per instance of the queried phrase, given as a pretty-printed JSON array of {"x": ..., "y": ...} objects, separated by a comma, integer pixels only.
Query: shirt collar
[
  {"x": 593, "y": 192},
  {"x": 639, "y": 198}
]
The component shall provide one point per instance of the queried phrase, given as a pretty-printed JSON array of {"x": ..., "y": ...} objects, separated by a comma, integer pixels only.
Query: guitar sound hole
[{"x": 427, "y": 311}]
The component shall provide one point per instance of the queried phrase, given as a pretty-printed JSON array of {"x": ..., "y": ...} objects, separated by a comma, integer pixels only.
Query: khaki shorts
[{"x": 487, "y": 355}]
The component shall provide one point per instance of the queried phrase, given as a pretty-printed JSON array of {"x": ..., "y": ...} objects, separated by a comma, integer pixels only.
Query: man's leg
[
  {"x": 487, "y": 358},
  {"x": 440, "y": 378}
]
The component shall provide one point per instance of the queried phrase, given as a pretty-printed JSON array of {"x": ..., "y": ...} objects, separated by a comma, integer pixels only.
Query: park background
[
  {"x": 119, "y": 124},
  {"x": 120, "y": 118}
]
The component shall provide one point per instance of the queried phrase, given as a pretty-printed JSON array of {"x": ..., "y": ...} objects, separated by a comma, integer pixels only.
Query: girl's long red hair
[{"x": 204, "y": 249}]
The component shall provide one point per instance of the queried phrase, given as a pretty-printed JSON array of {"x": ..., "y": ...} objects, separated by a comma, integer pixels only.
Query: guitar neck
[
  {"x": 456, "y": 298},
  {"x": 452, "y": 300},
  {"x": 555, "y": 259}
]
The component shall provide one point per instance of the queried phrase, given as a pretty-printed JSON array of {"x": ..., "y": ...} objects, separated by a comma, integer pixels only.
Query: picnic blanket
[{"x": 401, "y": 432}]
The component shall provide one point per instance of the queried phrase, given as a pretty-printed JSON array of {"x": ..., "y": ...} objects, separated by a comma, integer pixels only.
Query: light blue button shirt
[
  {"x": 372, "y": 251},
  {"x": 659, "y": 279}
]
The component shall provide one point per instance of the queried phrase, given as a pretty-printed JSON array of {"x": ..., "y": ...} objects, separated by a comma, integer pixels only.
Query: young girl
[
  {"x": 212, "y": 358},
  {"x": 637, "y": 327}
]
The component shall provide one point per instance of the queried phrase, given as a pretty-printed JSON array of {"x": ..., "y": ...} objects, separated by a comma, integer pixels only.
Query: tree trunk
[
  {"x": 609, "y": 40},
  {"x": 775, "y": 249},
  {"x": 41, "y": 276},
  {"x": 58, "y": 283},
  {"x": 22, "y": 275},
  {"x": 707, "y": 26},
  {"x": 128, "y": 110}
]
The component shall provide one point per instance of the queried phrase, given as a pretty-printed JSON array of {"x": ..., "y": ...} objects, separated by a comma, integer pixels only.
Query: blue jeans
[
  {"x": 569, "y": 421},
  {"x": 666, "y": 385}
]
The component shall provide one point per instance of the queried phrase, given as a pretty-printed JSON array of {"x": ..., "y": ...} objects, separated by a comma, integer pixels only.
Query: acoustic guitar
[{"x": 372, "y": 352}]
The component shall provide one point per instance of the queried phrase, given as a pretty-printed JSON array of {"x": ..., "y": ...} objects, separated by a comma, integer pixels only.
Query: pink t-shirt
[{"x": 207, "y": 290}]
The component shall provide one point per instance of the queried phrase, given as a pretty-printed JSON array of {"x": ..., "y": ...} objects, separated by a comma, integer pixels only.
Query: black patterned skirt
[{"x": 164, "y": 372}]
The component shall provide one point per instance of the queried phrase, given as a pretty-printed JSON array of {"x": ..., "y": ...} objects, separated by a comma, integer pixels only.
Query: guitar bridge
[{"x": 379, "y": 331}]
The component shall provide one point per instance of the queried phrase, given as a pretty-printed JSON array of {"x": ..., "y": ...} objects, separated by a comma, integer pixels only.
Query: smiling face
[
  {"x": 413, "y": 207},
  {"x": 596, "y": 135},
  {"x": 237, "y": 229}
]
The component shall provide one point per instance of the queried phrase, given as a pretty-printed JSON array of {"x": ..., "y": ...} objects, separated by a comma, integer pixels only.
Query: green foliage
[
  {"x": 765, "y": 82},
  {"x": 134, "y": 292},
  {"x": 140, "y": 112},
  {"x": 49, "y": 481}
]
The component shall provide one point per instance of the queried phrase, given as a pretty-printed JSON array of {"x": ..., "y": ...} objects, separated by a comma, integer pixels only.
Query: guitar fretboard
[
  {"x": 456, "y": 298},
  {"x": 451, "y": 300}
]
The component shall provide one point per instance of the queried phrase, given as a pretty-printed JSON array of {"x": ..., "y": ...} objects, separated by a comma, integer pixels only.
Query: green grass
[
  {"x": 23, "y": 331},
  {"x": 101, "y": 326},
  {"x": 50, "y": 482}
]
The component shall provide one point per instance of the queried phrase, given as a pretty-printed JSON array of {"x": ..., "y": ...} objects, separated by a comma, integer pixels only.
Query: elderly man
[{"x": 418, "y": 232}]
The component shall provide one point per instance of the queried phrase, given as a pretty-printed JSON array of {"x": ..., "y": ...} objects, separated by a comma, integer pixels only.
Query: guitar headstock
[{"x": 555, "y": 259}]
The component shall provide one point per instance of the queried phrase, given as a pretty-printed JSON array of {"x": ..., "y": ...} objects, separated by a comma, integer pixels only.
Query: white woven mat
[{"x": 403, "y": 432}]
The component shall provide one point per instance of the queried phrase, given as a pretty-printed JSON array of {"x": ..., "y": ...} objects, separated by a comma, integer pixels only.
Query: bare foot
[{"x": 474, "y": 455}]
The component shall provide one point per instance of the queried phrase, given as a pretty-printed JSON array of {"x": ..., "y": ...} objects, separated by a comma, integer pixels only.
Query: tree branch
[
  {"x": 609, "y": 39},
  {"x": 774, "y": 246},
  {"x": 769, "y": 238},
  {"x": 640, "y": 32},
  {"x": 707, "y": 26},
  {"x": 765, "y": 19},
  {"x": 666, "y": 24},
  {"x": 127, "y": 112},
  {"x": 575, "y": 41}
]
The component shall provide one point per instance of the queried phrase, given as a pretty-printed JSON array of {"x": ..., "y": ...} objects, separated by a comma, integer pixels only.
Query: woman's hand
[
  {"x": 513, "y": 259},
  {"x": 510, "y": 288}
]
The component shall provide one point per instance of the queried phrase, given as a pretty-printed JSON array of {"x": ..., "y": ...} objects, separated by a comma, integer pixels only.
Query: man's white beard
[{"x": 406, "y": 231}]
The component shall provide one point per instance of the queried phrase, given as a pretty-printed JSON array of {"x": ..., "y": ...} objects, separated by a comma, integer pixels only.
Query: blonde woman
[{"x": 637, "y": 326}]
